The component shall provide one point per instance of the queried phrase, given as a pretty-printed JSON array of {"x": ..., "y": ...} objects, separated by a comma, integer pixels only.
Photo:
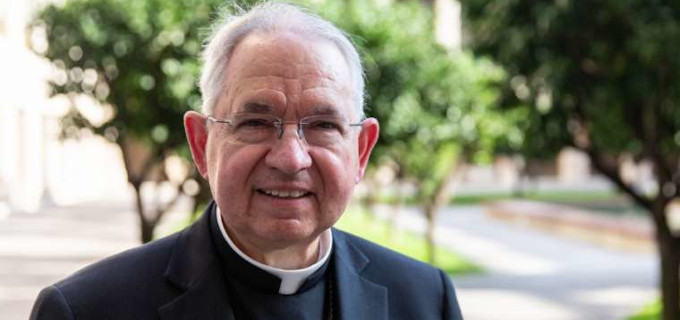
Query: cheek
[
  {"x": 229, "y": 168},
  {"x": 338, "y": 171}
]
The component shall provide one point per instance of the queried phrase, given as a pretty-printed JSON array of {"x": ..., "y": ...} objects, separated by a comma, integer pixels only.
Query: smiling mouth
[{"x": 284, "y": 194}]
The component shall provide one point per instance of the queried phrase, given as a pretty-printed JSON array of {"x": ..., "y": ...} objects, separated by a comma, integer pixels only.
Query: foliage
[
  {"x": 601, "y": 76},
  {"x": 608, "y": 66},
  {"x": 434, "y": 106},
  {"x": 138, "y": 59},
  {"x": 425, "y": 97}
]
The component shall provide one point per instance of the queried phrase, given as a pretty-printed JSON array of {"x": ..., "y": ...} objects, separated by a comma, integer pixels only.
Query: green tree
[
  {"x": 601, "y": 76},
  {"x": 138, "y": 60},
  {"x": 434, "y": 107}
]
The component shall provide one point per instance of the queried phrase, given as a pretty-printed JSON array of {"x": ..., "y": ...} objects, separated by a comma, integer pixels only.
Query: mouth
[{"x": 284, "y": 194}]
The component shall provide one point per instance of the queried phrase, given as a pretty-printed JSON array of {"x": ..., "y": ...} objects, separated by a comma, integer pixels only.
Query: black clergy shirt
[{"x": 255, "y": 294}]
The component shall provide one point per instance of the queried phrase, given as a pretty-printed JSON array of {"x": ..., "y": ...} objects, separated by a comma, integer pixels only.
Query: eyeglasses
[{"x": 253, "y": 128}]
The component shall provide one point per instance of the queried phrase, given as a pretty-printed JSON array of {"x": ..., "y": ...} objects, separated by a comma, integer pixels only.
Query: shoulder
[
  {"x": 127, "y": 266},
  {"x": 112, "y": 288},
  {"x": 409, "y": 282},
  {"x": 132, "y": 284}
]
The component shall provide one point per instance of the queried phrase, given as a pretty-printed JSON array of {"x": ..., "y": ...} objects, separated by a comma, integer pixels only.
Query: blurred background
[{"x": 528, "y": 148}]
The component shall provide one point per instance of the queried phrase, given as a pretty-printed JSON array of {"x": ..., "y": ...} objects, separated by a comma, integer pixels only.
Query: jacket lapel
[
  {"x": 194, "y": 267},
  {"x": 207, "y": 299},
  {"x": 359, "y": 298}
]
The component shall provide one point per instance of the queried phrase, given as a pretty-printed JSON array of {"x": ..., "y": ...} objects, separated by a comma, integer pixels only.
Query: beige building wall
[
  {"x": 20, "y": 116},
  {"x": 36, "y": 168},
  {"x": 448, "y": 23}
]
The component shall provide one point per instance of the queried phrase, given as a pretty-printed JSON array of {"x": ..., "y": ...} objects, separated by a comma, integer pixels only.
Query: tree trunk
[
  {"x": 146, "y": 231},
  {"x": 397, "y": 207},
  {"x": 439, "y": 197},
  {"x": 146, "y": 225},
  {"x": 430, "y": 213},
  {"x": 669, "y": 251},
  {"x": 669, "y": 283},
  {"x": 518, "y": 190},
  {"x": 369, "y": 199}
]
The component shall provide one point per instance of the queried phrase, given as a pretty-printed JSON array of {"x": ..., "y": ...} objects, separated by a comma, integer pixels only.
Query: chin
[{"x": 290, "y": 232}]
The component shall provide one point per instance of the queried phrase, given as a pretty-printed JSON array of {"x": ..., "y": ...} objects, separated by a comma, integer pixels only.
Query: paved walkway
[
  {"x": 534, "y": 275},
  {"x": 531, "y": 275},
  {"x": 38, "y": 249}
]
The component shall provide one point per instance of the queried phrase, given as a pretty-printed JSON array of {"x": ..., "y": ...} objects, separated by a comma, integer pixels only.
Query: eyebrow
[
  {"x": 261, "y": 108},
  {"x": 256, "y": 107},
  {"x": 325, "y": 111}
]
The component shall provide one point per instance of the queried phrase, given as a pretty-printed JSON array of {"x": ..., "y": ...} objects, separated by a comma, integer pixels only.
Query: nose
[{"x": 289, "y": 154}]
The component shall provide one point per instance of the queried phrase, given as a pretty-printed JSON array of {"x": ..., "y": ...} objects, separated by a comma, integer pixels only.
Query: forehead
[{"x": 288, "y": 68}]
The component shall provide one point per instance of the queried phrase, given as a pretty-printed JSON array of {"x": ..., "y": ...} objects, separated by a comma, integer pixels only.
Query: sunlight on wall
[{"x": 36, "y": 168}]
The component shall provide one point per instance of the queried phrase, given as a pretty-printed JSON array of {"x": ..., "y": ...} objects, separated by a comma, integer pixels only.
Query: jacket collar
[{"x": 195, "y": 268}]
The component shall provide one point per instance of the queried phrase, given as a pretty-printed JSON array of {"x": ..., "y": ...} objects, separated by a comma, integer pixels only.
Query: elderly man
[{"x": 282, "y": 141}]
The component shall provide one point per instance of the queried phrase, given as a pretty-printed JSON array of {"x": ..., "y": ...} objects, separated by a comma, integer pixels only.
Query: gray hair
[{"x": 270, "y": 17}]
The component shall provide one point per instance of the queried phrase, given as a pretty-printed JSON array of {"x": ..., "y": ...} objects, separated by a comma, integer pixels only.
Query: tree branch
[
  {"x": 612, "y": 174},
  {"x": 581, "y": 139}
]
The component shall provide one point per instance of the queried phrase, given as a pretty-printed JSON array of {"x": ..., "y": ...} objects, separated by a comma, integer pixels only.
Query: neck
[{"x": 298, "y": 256}]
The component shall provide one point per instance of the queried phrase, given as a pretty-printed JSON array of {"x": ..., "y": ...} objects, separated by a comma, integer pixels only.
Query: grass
[
  {"x": 609, "y": 202},
  {"x": 550, "y": 196},
  {"x": 651, "y": 311},
  {"x": 407, "y": 243}
]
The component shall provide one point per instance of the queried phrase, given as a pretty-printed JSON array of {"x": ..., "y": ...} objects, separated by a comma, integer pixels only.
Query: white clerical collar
[{"x": 291, "y": 280}]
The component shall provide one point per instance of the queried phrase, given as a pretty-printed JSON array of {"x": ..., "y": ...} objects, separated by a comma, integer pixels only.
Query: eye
[
  {"x": 253, "y": 123},
  {"x": 325, "y": 124}
]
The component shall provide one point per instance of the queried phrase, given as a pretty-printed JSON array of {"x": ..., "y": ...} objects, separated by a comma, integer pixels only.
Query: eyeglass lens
[{"x": 318, "y": 130}]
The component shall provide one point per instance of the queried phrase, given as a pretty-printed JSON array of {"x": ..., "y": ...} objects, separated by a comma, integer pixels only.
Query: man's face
[{"x": 284, "y": 191}]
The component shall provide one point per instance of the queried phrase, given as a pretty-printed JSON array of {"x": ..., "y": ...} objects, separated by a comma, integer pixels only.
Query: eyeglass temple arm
[
  {"x": 213, "y": 119},
  {"x": 358, "y": 124}
]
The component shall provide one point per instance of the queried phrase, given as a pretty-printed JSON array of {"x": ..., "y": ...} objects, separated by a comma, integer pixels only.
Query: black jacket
[{"x": 181, "y": 277}]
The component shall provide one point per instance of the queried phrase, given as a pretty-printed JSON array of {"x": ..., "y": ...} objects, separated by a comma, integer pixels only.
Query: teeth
[
  {"x": 284, "y": 194},
  {"x": 297, "y": 194}
]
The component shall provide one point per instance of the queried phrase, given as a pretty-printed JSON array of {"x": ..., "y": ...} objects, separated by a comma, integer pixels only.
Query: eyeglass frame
[{"x": 279, "y": 123}]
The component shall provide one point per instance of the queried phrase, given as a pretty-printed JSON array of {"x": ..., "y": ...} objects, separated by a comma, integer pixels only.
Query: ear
[
  {"x": 367, "y": 139},
  {"x": 197, "y": 135}
]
